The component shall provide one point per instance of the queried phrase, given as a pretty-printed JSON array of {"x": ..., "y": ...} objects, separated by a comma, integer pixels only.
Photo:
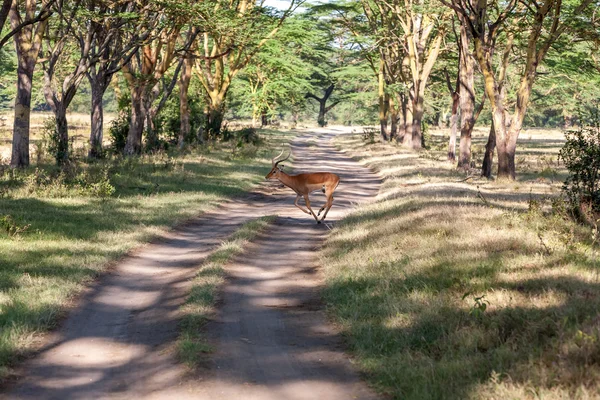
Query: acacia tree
[
  {"x": 234, "y": 33},
  {"x": 408, "y": 37},
  {"x": 278, "y": 77},
  {"x": 146, "y": 68},
  {"x": 28, "y": 40},
  {"x": 118, "y": 33},
  {"x": 463, "y": 99},
  {"x": 68, "y": 42},
  {"x": 537, "y": 26}
]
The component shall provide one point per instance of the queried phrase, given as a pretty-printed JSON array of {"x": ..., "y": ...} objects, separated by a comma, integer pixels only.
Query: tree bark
[
  {"x": 62, "y": 131},
  {"x": 467, "y": 99},
  {"x": 20, "y": 143},
  {"x": 488, "y": 158},
  {"x": 98, "y": 87},
  {"x": 453, "y": 127},
  {"x": 133, "y": 146},
  {"x": 184, "y": 108}
]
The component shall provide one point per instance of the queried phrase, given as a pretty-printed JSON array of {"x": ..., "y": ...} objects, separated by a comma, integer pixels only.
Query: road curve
[{"x": 271, "y": 337}]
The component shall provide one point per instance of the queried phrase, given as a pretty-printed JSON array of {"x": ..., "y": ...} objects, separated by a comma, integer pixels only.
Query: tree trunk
[
  {"x": 417, "y": 133},
  {"x": 467, "y": 99},
  {"x": 408, "y": 123},
  {"x": 98, "y": 87},
  {"x": 264, "y": 119},
  {"x": 321, "y": 119},
  {"x": 184, "y": 107},
  {"x": 488, "y": 158},
  {"x": 453, "y": 127},
  {"x": 62, "y": 131},
  {"x": 152, "y": 142},
  {"x": 214, "y": 120},
  {"x": 133, "y": 145},
  {"x": 384, "y": 106},
  {"x": 404, "y": 115},
  {"x": 394, "y": 116},
  {"x": 20, "y": 144}
]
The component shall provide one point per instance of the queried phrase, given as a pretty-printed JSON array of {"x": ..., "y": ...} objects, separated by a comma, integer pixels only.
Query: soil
[{"x": 271, "y": 337}]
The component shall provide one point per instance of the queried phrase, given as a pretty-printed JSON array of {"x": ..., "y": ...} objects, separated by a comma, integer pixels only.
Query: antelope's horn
[
  {"x": 273, "y": 160},
  {"x": 283, "y": 159}
]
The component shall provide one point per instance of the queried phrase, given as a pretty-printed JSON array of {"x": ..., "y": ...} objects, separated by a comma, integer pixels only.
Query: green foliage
[
  {"x": 581, "y": 155},
  {"x": 50, "y": 142},
  {"x": 119, "y": 127}
]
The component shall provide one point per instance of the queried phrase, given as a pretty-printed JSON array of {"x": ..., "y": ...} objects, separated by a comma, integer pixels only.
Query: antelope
[{"x": 303, "y": 184}]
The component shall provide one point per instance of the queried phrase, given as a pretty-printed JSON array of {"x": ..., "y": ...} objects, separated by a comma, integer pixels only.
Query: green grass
[
  {"x": 200, "y": 303},
  {"x": 76, "y": 225},
  {"x": 443, "y": 295}
]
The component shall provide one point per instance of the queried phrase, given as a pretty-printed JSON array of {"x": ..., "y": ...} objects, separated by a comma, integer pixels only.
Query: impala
[{"x": 303, "y": 184}]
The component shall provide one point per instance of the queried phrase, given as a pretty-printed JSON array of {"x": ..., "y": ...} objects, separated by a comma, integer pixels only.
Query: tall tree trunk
[
  {"x": 404, "y": 115},
  {"x": 152, "y": 142},
  {"x": 453, "y": 127},
  {"x": 264, "y": 119},
  {"x": 184, "y": 108},
  {"x": 408, "y": 135},
  {"x": 384, "y": 106},
  {"x": 321, "y": 118},
  {"x": 488, "y": 157},
  {"x": 417, "y": 133},
  {"x": 215, "y": 114},
  {"x": 384, "y": 102},
  {"x": 62, "y": 130},
  {"x": 133, "y": 145},
  {"x": 20, "y": 144},
  {"x": 394, "y": 117},
  {"x": 467, "y": 99},
  {"x": 98, "y": 86}
]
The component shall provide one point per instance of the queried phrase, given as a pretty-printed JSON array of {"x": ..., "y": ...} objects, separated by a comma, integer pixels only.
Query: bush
[
  {"x": 369, "y": 134},
  {"x": 581, "y": 155},
  {"x": 119, "y": 127}
]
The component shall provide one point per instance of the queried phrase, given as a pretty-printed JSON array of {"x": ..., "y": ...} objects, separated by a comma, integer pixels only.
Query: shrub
[
  {"x": 10, "y": 227},
  {"x": 119, "y": 127},
  {"x": 369, "y": 134},
  {"x": 581, "y": 155}
]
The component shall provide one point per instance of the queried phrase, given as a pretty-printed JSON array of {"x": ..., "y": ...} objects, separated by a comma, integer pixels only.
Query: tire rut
[{"x": 271, "y": 337}]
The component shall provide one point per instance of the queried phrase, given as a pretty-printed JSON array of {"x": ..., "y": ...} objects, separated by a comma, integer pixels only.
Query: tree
[
  {"x": 234, "y": 32},
  {"x": 536, "y": 26},
  {"x": 118, "y": 33},
  {"x": 278, "y": 77},
  {"x": 145, "y": 70},
  {"x": 28, "y": 40}
]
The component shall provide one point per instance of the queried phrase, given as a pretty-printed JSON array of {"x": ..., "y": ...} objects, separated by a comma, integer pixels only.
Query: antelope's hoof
[{"x": 318, "y": 222}]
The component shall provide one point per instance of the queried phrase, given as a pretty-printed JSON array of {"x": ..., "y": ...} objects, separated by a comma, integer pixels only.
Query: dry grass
[
  {"x": 79, "y": 130},
  {"x": 475, "y": 289}
]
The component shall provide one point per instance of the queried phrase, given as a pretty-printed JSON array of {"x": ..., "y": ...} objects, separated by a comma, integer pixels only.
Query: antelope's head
[{"x": 276, "y": 168}]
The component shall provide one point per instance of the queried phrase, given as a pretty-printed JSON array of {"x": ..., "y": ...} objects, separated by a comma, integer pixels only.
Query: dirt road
[{"x": 271, "y": 338}]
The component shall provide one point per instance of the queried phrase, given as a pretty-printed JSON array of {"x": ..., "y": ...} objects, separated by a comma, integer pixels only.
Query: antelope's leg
[
  {"x": 308, "y": 206},
  {"x": 328, "y": 204},
  {"x": 299, "y": 206}
]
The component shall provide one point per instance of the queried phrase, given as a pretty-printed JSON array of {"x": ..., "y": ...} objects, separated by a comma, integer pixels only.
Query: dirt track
[{"x": 271, "y": 337}]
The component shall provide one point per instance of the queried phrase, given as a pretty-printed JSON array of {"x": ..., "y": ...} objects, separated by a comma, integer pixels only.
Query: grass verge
[
  {"x": 475, "y": 289},
  {"x": 60, "y": 228},
  {"x": 200, "y": 303}
]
